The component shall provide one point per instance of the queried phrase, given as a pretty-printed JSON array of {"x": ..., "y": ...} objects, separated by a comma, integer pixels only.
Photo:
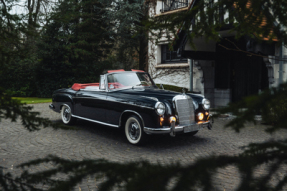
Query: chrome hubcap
[
  {"x": 67, "y": 114},
  {"x": 134, "y": 131}
]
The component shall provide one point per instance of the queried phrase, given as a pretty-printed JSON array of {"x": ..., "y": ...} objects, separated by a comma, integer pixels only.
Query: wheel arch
[
  {"x": 125, "y": 114},
  {"x": 60, "y": 99},
  {"x": 66, "y": 104}
]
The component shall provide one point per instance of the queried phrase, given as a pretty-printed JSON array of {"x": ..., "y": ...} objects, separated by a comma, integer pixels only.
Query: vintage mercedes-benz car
[{"x": 131, "y": 100}]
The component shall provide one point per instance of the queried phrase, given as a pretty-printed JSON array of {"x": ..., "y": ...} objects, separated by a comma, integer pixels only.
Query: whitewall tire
[
  {"x": 66, "y": 115},
  {"x": 134, "y": 131}
]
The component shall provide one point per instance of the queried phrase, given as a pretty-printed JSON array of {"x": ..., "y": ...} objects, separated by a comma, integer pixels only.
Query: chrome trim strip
[
  {"x": 115, "y": 101},
  {"x": 119, "y": 89},
  {"x": 95, "y": 121},
  {"x": 167, "y": 129},
  {"x": 90, "y": 90},
  {"x": 149, "y": 130}
]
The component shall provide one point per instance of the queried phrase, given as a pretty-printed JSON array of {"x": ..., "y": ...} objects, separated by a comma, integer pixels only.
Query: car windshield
[{"x": 125, "y": 80}]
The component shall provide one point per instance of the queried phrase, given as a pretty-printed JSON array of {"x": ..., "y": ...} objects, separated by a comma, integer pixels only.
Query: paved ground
[{"x": 93, "y": 141}]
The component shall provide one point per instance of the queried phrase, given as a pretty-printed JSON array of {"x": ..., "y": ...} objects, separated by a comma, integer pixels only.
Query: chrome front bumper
[{"x": 178, "y": 128}]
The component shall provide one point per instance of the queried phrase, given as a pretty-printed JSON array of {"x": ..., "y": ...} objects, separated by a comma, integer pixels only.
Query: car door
[
  {"x": 116, "y": 104},
  {"x": 91, "y": 104}
]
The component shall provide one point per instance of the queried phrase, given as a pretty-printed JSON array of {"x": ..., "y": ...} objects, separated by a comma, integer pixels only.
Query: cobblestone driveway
[{"x": 93, "y": 141}]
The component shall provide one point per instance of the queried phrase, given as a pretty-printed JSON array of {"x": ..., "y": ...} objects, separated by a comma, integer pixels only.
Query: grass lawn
[{"x": 30, "y": 100}]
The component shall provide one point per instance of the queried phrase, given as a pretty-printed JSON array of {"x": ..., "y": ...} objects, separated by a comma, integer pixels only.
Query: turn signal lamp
[
  {"x": 206, "y": 113},
  {"x": 171, "y": 119},
  {"x": 161, "y": 119},
  {"x": 200, "y": 116}
]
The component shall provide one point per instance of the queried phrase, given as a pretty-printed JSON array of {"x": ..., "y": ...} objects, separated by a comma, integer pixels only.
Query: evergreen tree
[
  {"x": 74, "y": 46},
  {"x": 131, "y": 43},
  {"x": 20, "y": 27},
  {"x": 143, "y": 175}
]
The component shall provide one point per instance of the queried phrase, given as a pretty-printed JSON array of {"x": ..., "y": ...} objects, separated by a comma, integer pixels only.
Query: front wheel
[
  {"x": 66, "y": 114},
  {"x": 134, "y": 131}
]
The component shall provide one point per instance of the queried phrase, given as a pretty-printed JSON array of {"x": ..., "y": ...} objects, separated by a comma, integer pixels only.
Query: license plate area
[{"x": 190, "y": 128}]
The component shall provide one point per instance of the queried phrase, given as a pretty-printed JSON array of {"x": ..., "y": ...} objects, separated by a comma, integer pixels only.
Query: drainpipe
[
  {"x": 190, "y": 61},
  {"x": 281, "y": 64}
]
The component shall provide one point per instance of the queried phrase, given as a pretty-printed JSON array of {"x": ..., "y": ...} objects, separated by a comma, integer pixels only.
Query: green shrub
[
  {"x": 278, "y": 108},
  {"x": 18, "y": 77}
]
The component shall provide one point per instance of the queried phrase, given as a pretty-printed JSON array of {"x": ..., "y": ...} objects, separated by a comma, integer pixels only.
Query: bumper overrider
[
  {"x": 173, "y": 129},
  {"x": 51, "y": 106}
]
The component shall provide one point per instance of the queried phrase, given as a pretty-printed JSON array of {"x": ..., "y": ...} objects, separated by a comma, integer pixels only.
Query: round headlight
[
  {"x": 206, "y": 103},
  {"x": 160, "y": 108}
]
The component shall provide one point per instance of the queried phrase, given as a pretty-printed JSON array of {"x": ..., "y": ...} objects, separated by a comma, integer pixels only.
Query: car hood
[{"x": 158, "y": 94}]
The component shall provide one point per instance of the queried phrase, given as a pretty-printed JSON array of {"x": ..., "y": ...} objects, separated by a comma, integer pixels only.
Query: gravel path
[{"x": 92, "y": 141}]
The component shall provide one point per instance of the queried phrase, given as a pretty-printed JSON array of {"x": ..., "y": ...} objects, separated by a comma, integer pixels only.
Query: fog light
[
  {"x": 200, "y": 116},
  {"x": 171, "y": 119},
  {"x": 161, "y": 119}
]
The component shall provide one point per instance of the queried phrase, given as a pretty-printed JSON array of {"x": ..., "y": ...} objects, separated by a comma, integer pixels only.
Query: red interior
[
  {"x": 77, "y": 86},
  {"x": 137, "y": 70},
  {"x": 119, "y": 70}
]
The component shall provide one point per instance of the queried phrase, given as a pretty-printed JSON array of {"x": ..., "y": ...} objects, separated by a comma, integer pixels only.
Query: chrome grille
[{"x": 185, "y": 109}]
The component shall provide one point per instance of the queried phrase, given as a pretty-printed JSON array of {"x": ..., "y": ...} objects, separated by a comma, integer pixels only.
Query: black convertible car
[{"x": 131, "y": 100}]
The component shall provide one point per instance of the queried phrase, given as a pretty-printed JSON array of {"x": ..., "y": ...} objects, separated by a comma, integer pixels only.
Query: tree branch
[{"x": 248, "y": 53}]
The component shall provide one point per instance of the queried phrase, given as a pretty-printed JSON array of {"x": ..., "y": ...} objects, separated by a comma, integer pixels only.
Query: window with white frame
[
  {"x": 169, "y": 56},
  {"x": 169, "y": 5}
]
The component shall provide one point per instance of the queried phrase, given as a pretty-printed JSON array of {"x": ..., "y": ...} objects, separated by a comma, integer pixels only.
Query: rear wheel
[
  {"x": 66, "y": 114},
  {"x": 134, "y": 131}
]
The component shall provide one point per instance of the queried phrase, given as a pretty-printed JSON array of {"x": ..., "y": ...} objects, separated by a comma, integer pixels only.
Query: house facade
[{"x": 222, "y": 75}]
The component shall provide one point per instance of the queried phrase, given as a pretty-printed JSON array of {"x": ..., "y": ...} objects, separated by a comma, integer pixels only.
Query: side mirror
[{"x": 161, "y": 86}]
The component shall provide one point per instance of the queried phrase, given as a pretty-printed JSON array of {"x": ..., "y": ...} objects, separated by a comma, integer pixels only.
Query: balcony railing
[{"x": 168, "y": 5}]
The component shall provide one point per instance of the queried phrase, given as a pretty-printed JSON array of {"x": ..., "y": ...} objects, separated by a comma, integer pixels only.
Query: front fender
[{"x": 60, "y": 99}]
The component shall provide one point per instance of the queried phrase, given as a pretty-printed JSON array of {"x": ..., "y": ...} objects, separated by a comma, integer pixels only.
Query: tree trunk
[{"x": 143, "y": 53}]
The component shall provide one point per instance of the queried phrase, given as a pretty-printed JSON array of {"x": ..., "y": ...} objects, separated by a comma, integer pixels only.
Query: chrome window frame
[{"x": 118, "y": 89}]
